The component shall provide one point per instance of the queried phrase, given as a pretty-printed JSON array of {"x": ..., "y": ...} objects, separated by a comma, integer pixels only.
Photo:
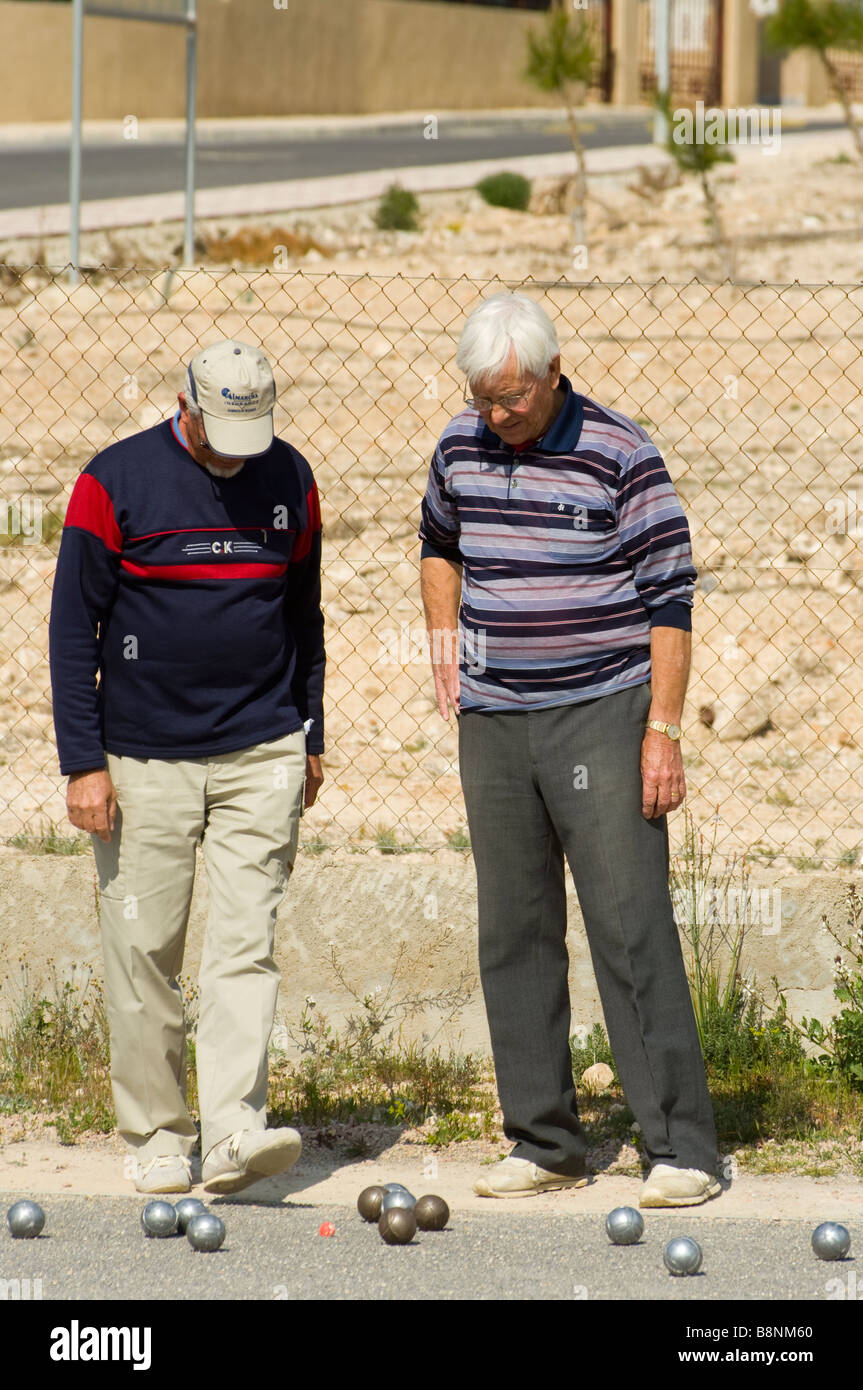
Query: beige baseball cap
[{"x": 233, "y": 385}]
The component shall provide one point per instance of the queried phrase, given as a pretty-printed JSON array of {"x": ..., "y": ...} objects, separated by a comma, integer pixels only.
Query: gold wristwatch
[{"x": 672, "y": 730}]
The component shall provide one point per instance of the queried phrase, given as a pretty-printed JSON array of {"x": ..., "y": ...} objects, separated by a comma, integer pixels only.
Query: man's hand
[
  {"x": 662, "y": 778},
  {"x": 441, "y": 592},
  {"x": 444, "y": 646},
  {"x": 662, "y": 781},
  {"x": 91, "y": 802},
  {"x": 314, "y": 778}
]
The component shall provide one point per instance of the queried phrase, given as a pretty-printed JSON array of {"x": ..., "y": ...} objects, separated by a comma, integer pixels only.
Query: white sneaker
[
  {"x": 248, "y": 1156},
  {"x": 167, "y": 1173},
  {"x": 667, "y": 1186},
  {"x": 518, "y": 1177}
]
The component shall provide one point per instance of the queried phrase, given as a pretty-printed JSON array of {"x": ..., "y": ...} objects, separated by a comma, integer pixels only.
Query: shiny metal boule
[
  {"x": 624, "y": 1226},
  {"x": 682, "y": 1255},
  {"x": 205, "y": 1232},
  {"x": 186, "y": 1208},
  {"x": 159, "y": 1219},
  {"x": 369, "y": 1203},
  {"x": 394, "y": 1187},
  {"x": 398, "y": 1226},
  {"x": 404, "y": 1199},
  {"x": 830, "y": 1241},
  {"x": 25, "y": 1220},
  {"x": 431, "y": 1212}
]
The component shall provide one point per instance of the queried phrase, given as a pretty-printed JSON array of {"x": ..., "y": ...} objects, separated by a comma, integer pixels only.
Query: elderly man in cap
[
  {"x": 189, "y": 579},
  {"x": 550, "y": 528}
]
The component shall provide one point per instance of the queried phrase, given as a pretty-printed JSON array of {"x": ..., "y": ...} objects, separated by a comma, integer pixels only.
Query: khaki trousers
[{"x": 245, "y": 808}]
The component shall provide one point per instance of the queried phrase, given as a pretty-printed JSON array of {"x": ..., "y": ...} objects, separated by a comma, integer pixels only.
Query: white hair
[{"x": 502, "y": 322}]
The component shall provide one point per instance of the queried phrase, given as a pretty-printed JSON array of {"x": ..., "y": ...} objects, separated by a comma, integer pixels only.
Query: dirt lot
[{"x": 751, "y": 391}]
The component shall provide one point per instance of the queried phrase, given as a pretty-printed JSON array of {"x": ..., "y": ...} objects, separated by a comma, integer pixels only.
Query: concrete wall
[
  {"x": 740, "y": 54},
  {"x": 365, "y": 908},
  {"x": 327, "y": 57},
  {"x": 804, "y": 81},
  {"x": 312, "y": 57}
]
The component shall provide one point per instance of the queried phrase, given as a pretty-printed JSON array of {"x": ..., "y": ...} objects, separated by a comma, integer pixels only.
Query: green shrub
[
  {"x": 738, "y": 1040},
  {"x": 505, "y": 190},
  {"x": 49, "y": 840},
  {"x": 593, "y": 1048},
  {"x": 54, "y": 1056},
  {"x": 397, "y": 210}
]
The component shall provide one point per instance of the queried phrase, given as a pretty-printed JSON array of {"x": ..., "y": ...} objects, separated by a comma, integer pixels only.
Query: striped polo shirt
[{"x": 571, "y": 548}]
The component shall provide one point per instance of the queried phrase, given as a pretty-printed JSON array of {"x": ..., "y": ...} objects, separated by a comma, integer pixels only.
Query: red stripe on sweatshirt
[
  {"x": 227, "y": 571},
  {"x": 91, "y": 509},
  {"x": 303, "y": 542}
]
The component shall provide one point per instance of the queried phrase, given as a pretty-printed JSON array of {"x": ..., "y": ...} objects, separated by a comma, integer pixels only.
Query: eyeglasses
[{"x": 514, "y": 402}]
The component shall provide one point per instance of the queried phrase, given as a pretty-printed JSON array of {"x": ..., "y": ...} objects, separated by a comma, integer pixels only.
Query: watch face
[{"x": 673, "y": 731}]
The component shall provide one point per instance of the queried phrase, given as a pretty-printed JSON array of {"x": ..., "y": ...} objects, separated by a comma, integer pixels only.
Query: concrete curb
[{"x": 261, "y": 127}]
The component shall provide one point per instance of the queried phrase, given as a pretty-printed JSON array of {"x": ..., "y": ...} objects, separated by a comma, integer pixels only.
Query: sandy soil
[
  {"x": 96, "y": 1166},
  {"x": 752, "y": 392}
]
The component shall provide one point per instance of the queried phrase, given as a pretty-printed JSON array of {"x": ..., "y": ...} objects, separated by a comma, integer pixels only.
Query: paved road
[
  {"x": 94, "y": 1248},
  {"x": 38, "y": 174}
]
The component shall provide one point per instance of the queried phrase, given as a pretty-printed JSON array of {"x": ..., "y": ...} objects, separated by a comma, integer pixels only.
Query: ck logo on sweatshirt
[{"x": 232, "y": 547}]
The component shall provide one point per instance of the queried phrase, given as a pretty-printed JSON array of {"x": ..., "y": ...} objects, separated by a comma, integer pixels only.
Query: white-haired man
[
  {"x": 189, "y": 579},
  {"x": 552, "y": 533}
]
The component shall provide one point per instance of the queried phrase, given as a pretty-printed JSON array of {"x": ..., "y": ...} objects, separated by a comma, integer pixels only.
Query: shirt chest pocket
[{"x": 578, "y": 532}]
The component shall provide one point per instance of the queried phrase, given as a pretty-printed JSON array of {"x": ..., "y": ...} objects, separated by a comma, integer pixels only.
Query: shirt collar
[
  {"x": 566, "y": 429},
  {"x": 564, "y": 432}
]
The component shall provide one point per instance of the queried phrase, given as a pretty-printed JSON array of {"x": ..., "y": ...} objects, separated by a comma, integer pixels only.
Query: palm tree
[
  {"x": 821, "y": 25},
  {"x": 561, "y": 58}
]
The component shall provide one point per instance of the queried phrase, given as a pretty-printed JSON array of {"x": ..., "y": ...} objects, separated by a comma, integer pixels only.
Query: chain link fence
[{"x": 754, "y": 394}]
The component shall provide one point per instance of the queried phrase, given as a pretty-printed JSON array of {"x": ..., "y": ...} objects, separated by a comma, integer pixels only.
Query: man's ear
[{"x": 554, "y": 372}]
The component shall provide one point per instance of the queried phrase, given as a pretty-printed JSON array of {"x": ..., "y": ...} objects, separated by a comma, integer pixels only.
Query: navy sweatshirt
[{"x": 196, "y": 599}]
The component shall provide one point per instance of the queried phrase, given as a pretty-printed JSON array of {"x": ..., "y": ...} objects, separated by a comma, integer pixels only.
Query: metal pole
[
  {"x": 75, "y": 144},
  {"x": 662, "y": 58},
  {"x": 191, "y": 82}
]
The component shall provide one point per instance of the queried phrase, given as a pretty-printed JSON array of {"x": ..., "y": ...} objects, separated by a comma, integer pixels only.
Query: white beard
[{"x": 218, "y": 472}]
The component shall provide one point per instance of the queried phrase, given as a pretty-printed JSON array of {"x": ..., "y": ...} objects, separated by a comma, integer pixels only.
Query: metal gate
[{"x": 696, "y": 51}]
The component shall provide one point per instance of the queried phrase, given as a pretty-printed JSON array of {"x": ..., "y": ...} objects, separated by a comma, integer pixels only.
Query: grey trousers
[{"x": 540, "y": 785}]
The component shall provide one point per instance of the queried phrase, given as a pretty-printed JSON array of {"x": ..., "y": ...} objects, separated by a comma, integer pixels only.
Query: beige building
[{"x": 332, "y": 57}]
